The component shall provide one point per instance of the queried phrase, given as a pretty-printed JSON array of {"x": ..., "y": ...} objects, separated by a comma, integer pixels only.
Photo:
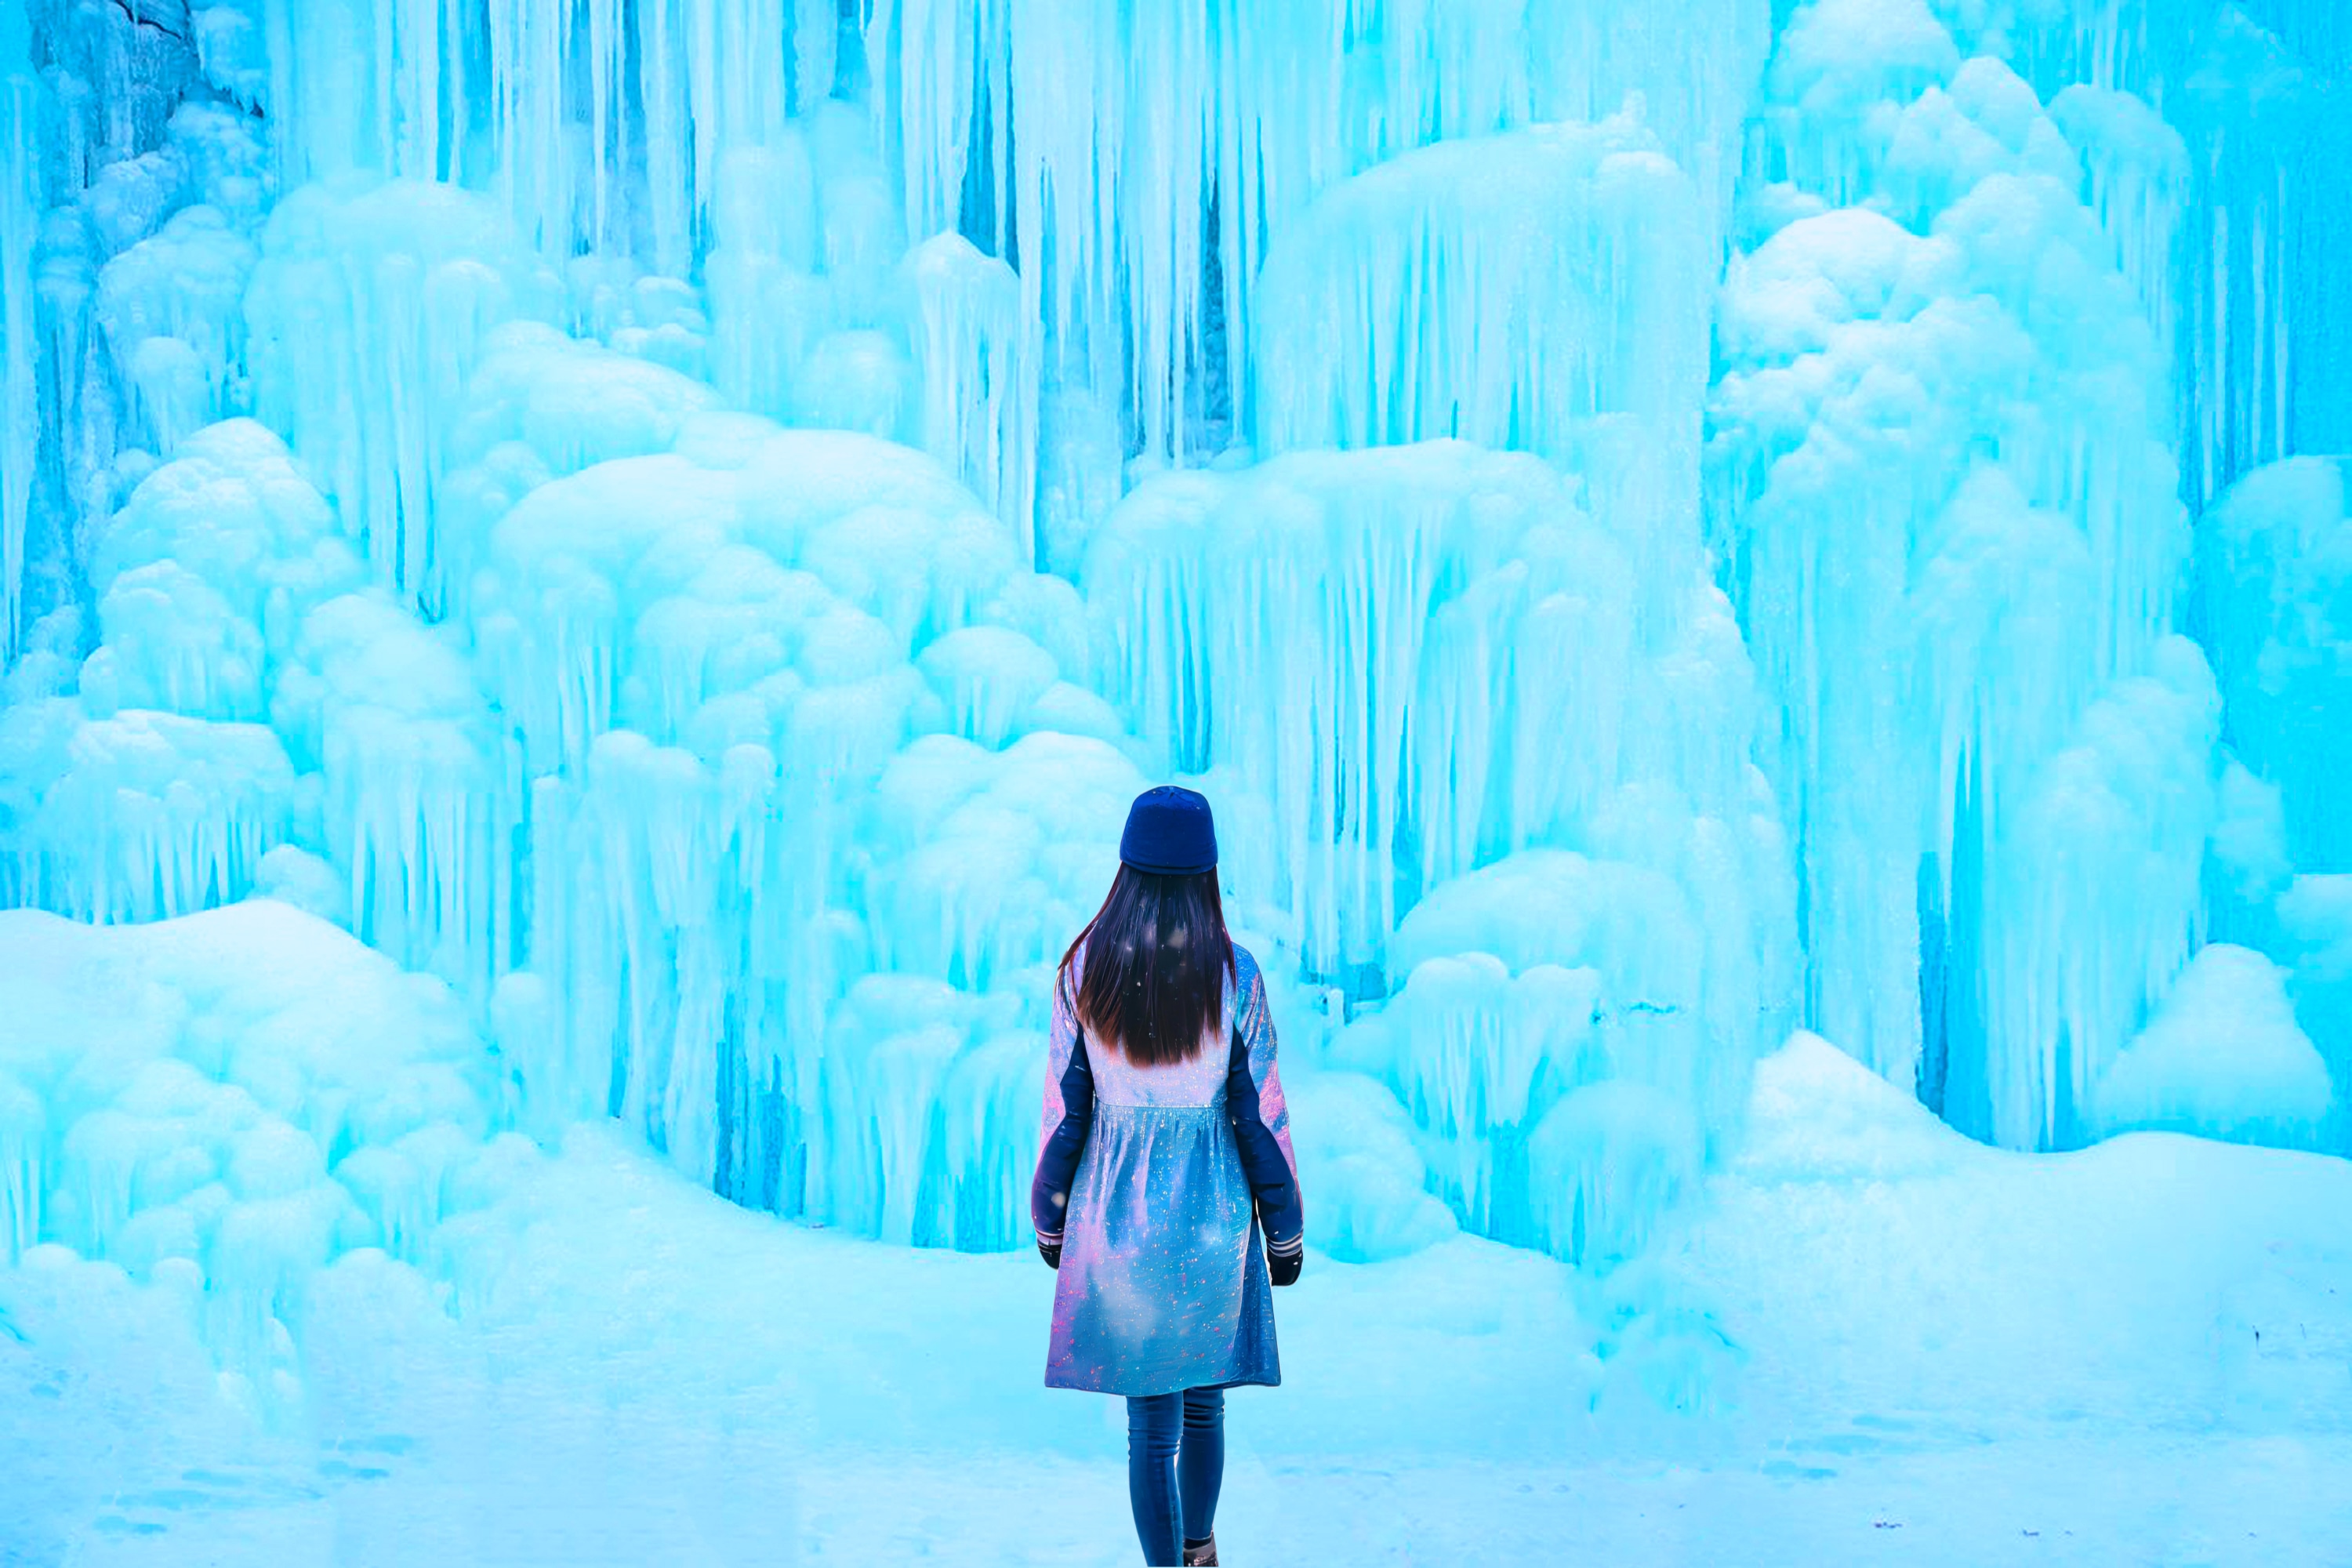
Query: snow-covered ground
[{"x": 1868, "y": 1340}]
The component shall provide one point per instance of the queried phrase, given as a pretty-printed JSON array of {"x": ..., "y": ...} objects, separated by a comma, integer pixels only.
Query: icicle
[
  {"x": 1131, "y": 125},
  {"x": 22, "y": 1133},
  {"x": 2139, "y": 182},
  {"x": 1605, "y": 1165},
  {"x": 172, "y": 307},
  {"x": 1520, "y": 293},
  {"x": 2274, "y": 584},
  {"x": 142, "y": 815},
  {"x": 769, "y": 308},
  {"x": 401, "y": 284},
  {"x": 1387, "y": 645},
  {"x": 979, "y": 362},
  {"x": 2004, "y": 537},
  {"x": 414, "y": 806},
  {"x": 20, "y": 402},
  {"x": 987, "y": 1120}
]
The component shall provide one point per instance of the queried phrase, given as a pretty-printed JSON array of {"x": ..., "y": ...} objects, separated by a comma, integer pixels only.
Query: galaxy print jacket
[{"x": 1253, "y": 1104}]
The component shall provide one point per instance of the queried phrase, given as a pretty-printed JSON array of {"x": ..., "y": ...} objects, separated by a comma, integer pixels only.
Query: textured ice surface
[
  {"x": 223, "y": 1104},
  {"x": 1944, "y": 437},
  {"x": 522, "y": 298},
  {"x": 2275, "y": 571},
  {"x": 1888, "y": 1327},
  {"x": 673, "y": 529}
]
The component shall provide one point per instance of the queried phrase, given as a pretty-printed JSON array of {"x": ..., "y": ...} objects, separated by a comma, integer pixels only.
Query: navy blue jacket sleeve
[
  {"x": 1254, "y": 1103},
  {"x": 1069, "y": 1115}
]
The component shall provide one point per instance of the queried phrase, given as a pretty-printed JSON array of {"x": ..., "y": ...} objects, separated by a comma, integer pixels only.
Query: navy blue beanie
[{"x": 1169, "y": 831}]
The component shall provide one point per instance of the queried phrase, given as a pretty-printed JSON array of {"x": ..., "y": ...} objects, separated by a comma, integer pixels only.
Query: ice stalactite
[
  {"x": 1424, "y": 664},
  {"x": 197, "y": 581},
  {"x": 132, "y": 328},
  {"x": 601, "y": 125},
  {"x": 114, "y": 82},
  {"x": 20, "y": 432},
  {"x": 416, "y": 802},
  {"x": 2254, "y": 93},
  {"x": 237, "y": 639},
  {"x": 1371, "y": 1182},
  {"x": 971, "y": 877},
  {"x": 2273, "y": 588},
  {"x": 646, "y": 666},
  {"x": 88, "y": 139},
  {"x": 209, "y": 1119},
  {"x": 23, "y": 1123},
  {"x": 355, "y": 85},
  {"x": 978, "y": 866},
  {"x": 173, "y": 310},
  {"x": 2091, "y": 907},
  {"x": 138, "y": 815},
  {"x": 2315, "y": 933},
  {"x": 937, "y": 74},
  {"x": 1112, "y": 108},
  {"x": 1838, "y": 68},
  {"x": 1543, "y": 291},
  {"x": 808, "y": 319},
  {"x": 369, "y": 308},
  {"x": 1466, "y": 615},
  {"x": 2139, "y": 186},
  {"x": 1566, "y": 1021},
  {"x": 1105, "y": 136},
  {"x": 978, "y": 359},
  {"x": 2274, "y": 583},
  {"x": 711, "y": 76},
  {"x": 710, "y": 638},
  {"x": 1950, "y": 447},
  {"x": 768, "y": 306},
  {"x": 204, "y": 576},
  {"x": 2244, "y": 107}
]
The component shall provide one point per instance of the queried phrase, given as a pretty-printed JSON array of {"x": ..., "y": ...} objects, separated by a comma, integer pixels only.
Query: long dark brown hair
[{"x": 1157, "y": 957}]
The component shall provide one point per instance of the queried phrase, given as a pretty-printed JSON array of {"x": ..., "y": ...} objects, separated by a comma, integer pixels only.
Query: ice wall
[
  {"x": 1144, "y": 160},
  {"x": 20, "y": 217},
  {"x": 687, "y": 523},
  {"x": 2257, "y": 209},
  {"x": 2275, "y": 598},
  {"x": 1944, "y": 437},
  {"x": 2275, "y": 586},
  {"x": 713, "y": 655}
]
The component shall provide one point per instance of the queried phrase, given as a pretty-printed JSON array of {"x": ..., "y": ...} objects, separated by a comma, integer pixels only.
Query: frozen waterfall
[{"x": 682, "y": 524}]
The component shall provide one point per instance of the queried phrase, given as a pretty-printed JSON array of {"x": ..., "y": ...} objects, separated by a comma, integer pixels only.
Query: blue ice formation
[{"x": 681, "y": 524}]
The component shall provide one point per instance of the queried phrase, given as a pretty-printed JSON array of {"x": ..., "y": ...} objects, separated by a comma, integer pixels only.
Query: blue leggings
[{"x": 1166, "y": 1512}]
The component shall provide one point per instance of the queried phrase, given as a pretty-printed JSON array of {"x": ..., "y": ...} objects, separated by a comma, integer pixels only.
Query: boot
[{"x": 1204, "y": 1554}]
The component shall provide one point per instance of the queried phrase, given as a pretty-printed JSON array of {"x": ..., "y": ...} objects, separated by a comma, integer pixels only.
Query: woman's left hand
[{"x": 1051, "y": 1255}]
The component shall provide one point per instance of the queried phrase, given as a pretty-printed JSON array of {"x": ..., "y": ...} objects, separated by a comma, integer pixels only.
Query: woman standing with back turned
[{"x": 1167, "y": 1145}]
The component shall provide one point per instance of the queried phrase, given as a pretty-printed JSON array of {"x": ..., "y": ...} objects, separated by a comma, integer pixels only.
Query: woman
[{"x": 1167, "y": 1146}]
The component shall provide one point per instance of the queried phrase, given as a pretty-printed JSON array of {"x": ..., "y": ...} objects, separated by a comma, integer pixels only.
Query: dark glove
[
  {"x": 1284, "y": 1270},
  {"x": 1051, "y": 1253}
]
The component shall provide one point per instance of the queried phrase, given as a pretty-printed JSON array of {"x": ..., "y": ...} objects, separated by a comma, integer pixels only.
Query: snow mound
[
  {"x": 2222, "y": 1056},
  {"x": 1816, "y": 1114},
  {"x": 228, "y": 1101}
]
